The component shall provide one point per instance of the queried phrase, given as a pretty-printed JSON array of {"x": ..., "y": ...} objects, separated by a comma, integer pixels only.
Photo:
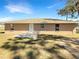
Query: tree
[
  {"x": 67, "y": 11},
  {"x": 77, "y": 6},
  {"x": 70, "y": 10}
]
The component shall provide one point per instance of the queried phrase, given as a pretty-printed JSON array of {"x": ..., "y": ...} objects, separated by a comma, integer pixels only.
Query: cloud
[
  {"x": 50, "y": 6},
  {"x": 4, "y": 19},
  {"x": 18, "y": 9},
  {"x": 56, "y": 3}
]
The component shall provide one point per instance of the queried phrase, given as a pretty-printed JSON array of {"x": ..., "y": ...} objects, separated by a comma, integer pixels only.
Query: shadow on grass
[
  {"x": 17, "y": 57},
  {"x": 31, "y": 55},
  {"x": 52, "y": 37},
  {"x": 54, "y": 50},
  {"x": 2, "y": 32},
  {"x": 13, "y": 46},
  {"x": 72, "y": 51}
]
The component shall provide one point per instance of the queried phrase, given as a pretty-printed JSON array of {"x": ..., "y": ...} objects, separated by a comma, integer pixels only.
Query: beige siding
[
  {"x": 17, "y": 27},
  {"x": 51, "y": 27},
  {"x": 7, "y": 27},
  {"x": 48, "y": 27},
  {"x": 67, "y": 27},
  {"x": 64, "y": 28},
  {"x": 21, "y": 27}
]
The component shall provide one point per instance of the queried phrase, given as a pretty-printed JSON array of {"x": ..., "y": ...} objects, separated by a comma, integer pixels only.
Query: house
[{"x": 43, "y": 26}]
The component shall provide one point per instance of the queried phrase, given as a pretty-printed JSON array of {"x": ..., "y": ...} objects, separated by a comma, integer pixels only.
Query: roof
[{"x": 41, "y": 21}]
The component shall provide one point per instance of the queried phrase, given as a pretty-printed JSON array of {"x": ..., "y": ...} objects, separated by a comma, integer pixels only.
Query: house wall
[
  {"x": 17, "y": 27},
  {"x": 47, "y": 27},
  {"x": 7, "y": 27},
  {"x": 51, "y": 27},
  {"x": 66, "y": 28}
]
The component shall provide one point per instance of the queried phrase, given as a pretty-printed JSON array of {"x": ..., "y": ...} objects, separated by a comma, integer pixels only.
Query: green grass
[
  {"x": 72, "y": 35},
  {"x": 35, "y": 49},
  {"x": 45, "y": 51}
]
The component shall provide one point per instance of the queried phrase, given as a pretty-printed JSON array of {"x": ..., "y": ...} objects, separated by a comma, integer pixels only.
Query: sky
[{"x": 25, "y": 9}]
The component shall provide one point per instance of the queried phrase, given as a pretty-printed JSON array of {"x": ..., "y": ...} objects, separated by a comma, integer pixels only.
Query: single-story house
[{"x": 42, "y": 26}]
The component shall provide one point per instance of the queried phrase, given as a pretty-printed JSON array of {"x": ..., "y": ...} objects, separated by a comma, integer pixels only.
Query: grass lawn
[
  {"x": 47, "y": 48},
  {"x": 72, "y": 35},
  {"x": 2, "y": 29}
]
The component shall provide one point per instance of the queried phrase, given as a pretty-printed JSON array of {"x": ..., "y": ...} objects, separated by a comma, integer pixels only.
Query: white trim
[{"x": 31, "y": 27}]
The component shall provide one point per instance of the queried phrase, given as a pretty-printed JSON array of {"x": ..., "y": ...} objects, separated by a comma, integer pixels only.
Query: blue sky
[{"x": 23, "y": 9}]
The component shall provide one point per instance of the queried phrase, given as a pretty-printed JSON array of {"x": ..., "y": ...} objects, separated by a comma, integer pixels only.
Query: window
[
  {"x": 42, "y": 25},
  {"x": 56, "y": 27},
  {"x": 12, "y": 27}
]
